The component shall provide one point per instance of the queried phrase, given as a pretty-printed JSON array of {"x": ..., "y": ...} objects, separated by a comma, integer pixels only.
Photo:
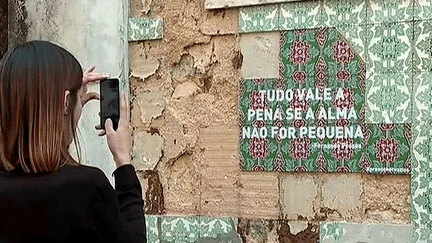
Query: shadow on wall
[{"x": 3, "y": 27}]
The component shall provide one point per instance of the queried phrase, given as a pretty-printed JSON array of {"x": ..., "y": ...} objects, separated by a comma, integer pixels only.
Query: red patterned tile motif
[
  {"x": 387, "y": 150},
  {"x": 300, "y": 52},
  {"x": 258, "y": 148},
  {"x": 256, "y": 101},
  {"x": 342, "y": 148},
  {"x": 299, "y": 148},
  {"x": 345, "y": 102},
  {"x": 342, "y": 52}
]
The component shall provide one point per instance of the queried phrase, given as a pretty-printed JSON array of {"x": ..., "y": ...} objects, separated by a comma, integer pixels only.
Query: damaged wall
[{"x": 184, "y": 92}]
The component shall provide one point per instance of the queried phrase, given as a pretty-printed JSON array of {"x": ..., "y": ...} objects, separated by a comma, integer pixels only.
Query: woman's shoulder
[{"x": 87, "y": 172}]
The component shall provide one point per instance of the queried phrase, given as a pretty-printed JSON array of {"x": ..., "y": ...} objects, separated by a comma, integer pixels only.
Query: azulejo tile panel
[
  {"x": 388, "y": 98},
  {"x": 422, "y": 145},
  {"x": 345, "y": 14},
  {"x": 300, "y": 15},
  {"x": 352, "y": 232},
  {"x": 385, "y": 11},
  {"x": 145, "y": 29},
  {"x": 389, "y": 48},
  {"x": 152, "y": 228},
  {"x": 177, "y": 229},
  {"x": 222, "y": 229},
  {"x": 422, "y": 9},
  {"x": 394, "y": 41},
  {"x": 422, "y": 235},
  {"x": 259, "y": 18},
  {"x": 389, "y": 66},
  {"x": 190, "y": 229},
  {"x": 320, "y": 75},
  {"x": 423, "y": 45},
  {"x": 422, "y": 90},
  {"x": 421, "y": 182},
  {"x": 331, "y": 231}
]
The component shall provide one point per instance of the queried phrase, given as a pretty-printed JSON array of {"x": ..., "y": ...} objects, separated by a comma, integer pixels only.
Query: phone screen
[{"x": 109, "y": 101}]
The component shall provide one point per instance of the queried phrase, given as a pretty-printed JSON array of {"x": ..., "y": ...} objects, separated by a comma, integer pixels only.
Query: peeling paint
[
  {"x": 185, "y": 90},
  {"x": 297, "y": 226},
  {"x": 202, "y": 56},
  {"x": 147, "y": 150},
  {"x": 143, "y": 68},
  {"x": 151, "y": 104},
  {"x": 220, "y": 22}
]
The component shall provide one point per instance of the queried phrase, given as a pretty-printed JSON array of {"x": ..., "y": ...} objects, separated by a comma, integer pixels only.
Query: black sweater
[{"x": 73, "y": 204}]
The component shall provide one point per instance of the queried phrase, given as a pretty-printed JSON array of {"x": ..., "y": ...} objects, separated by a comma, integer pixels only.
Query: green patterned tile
[
  {"x": 259, "y": 18},
  {"x": 314, "y": 63},
  {"x": 422, "y": 9},
  {"x": 415, "y": 182},
  {"x": 331, "y": 231},
  {"x": 421, "y": 178},
  {"x": 145, "y": 29},
  {"x": 152, "y": 228},
  {"x": 218, "y": 229},
  {"x": 322, "y": 58},
  {"x": 387, "y": 11},
  {"x": 389, "y": 66},
  {"x": 422, "y": 201},
  {"x": 302, "y": 15},
  {"x": 354, "y": 232},
  {"x": 422, "y": 235},
  {"x": 389, "y": 48},
  {"x": 422, "y": 90},
  {"x": 389, "y": 148},
  {"x": 382, "y": 149},
  {"x": 180, "y": 229},
  {"x": 388, "y": 98},
  {"x": 422, "y": 145},
  {"x": 423, "y": 45},
  {"x": 346, "y": 14},
  {"x": 313, "y": 147},
  {"x": 357, "y": 37}
]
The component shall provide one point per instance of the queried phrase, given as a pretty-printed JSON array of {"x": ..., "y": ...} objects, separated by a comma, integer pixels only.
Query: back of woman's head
[{"x": 33, "y": 120}]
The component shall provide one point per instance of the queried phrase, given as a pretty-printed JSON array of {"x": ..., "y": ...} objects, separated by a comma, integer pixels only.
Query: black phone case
[{"x": 109, "y": 101}]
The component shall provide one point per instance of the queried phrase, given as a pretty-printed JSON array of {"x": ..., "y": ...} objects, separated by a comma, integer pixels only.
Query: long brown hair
[{"x": 33, "y": 79}]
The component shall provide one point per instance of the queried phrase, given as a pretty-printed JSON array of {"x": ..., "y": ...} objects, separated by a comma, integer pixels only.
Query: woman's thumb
[{"x": 108, "y": 126}]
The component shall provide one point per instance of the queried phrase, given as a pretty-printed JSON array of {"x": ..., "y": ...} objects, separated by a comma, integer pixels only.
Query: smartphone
[{"x": 109, "y": 101}]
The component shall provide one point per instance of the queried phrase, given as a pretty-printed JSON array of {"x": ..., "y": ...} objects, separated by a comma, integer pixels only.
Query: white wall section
[{"x": 94, "y": 31}]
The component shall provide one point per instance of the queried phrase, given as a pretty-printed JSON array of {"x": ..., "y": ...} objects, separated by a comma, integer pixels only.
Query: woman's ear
[{"x": 66, "y": 101}]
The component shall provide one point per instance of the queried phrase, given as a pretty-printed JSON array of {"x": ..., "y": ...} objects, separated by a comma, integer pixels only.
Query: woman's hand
[
  {"x": 119, "y": 142},
  {"x": 89, "y": 76}
]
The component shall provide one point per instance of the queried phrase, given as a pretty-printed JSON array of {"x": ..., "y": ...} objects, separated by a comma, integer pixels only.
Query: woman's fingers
[
  {"x": 89, "y": 76},
  {"x": 89, "y": 96},
  {"x": 123, "y": 111},
  {"x": 94, "y": 77},
  {"x": 101, "y": 133},
  {"x": 90, "y": 69}
]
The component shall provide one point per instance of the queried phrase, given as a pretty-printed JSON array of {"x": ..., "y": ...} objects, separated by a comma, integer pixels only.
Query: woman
[{"x": 46, "y": 196}]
